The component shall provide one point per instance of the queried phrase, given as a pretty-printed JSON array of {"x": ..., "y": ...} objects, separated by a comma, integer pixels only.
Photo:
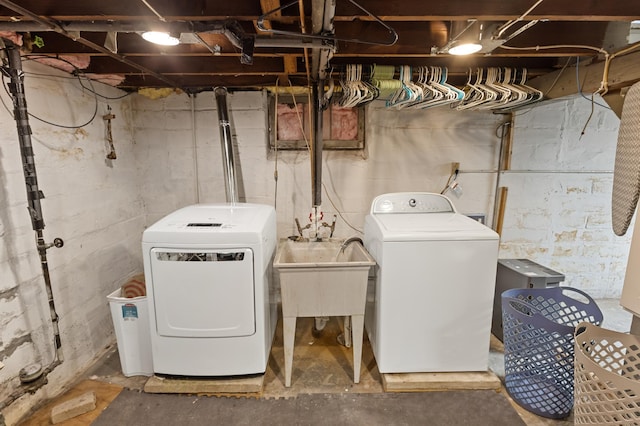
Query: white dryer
[
  {"x": 208, "y": 273},
  {"x": 429, "y": 308}
]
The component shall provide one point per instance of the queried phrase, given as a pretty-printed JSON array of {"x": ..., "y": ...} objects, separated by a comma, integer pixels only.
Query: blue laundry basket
[{"x": 539, "y": 326}]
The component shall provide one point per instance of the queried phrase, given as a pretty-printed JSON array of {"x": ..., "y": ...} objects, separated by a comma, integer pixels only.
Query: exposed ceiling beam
[
  {"x": 499, "y": 10},
  {"x": 76, "y": 37},
  {"x": 414, "y": 10},
  {"x": 290, "y": 61},
  {"x": 623, "y": 72},
  {"x": 627, "y": 17}
]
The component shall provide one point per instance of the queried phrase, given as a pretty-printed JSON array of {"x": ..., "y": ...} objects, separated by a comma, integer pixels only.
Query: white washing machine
[
  {"x": 429, "y": 308},
  {"x": 208, "y": 273}
]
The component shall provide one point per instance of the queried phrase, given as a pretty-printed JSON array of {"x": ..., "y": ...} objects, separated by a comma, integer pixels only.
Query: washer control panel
[{"x": 411, "y": 202}]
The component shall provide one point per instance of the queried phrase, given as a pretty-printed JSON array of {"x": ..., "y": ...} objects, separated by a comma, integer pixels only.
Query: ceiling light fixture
[
  {"x": 467, "y": 38},
  {"x": 161, "y": 38},
  {"x": 465, "y": 49}
]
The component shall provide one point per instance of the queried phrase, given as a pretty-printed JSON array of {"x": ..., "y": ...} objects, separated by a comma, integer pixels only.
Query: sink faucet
[{"x": 349, "y": 241}]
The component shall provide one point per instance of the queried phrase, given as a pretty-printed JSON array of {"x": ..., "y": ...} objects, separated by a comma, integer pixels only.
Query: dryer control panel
[{"x": 411, "y": 202}]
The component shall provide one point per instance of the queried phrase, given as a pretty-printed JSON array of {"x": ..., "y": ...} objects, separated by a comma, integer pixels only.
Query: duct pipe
[
  {"x": 228, "y": 158},
  {"x": 232, "y": 30},
  {"x": 31, "y": 373},
  {"x": 316, "y": 148}
]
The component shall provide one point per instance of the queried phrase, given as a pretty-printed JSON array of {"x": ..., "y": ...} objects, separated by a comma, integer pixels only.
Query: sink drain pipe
[{"x": 32, "y": 376}]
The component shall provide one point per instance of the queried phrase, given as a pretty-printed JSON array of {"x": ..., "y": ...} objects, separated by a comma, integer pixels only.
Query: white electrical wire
[
  {"x": 160, "y": 17},
  {"x": 509, "y": 24},
  {"x": 558, "y": 46}
]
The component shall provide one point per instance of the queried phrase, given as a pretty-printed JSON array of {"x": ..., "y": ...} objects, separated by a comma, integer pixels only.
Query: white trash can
[{"x": 131, "y": 323}]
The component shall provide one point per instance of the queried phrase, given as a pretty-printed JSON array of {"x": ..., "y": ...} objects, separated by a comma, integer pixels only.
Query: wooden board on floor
[
  {"x": 420, "y": 382},
  {"x": 105, "y": 393},
  {"x": 234, "y": 385}
]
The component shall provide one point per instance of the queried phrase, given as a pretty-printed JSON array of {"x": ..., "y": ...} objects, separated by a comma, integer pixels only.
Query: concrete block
[{"x": 73, "y": 407}]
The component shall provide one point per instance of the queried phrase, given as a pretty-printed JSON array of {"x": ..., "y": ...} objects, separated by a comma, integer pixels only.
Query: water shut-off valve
[{"x": 57, "y": 243}]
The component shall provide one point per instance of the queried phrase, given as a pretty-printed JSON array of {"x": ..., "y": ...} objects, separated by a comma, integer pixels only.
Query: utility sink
[
  {"x": 321, "y": 279},
  {"x": 321, "y": 254}
]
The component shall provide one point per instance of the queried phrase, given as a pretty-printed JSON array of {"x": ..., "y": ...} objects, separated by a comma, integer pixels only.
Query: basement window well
[{"x": 342, "y": 128}]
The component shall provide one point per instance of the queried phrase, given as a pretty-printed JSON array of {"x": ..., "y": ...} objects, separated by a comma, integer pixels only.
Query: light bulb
[
  {"x": 465, "y": 49},
  {"x": 164, "y": 39}
]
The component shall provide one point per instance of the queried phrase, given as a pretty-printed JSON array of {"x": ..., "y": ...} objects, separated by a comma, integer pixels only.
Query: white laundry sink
[
  {"x": 321, "y": 254},
  {"x": 320, "y": 279}
]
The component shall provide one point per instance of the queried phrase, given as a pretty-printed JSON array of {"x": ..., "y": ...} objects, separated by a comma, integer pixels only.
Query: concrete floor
[{"x": 322, "y": 366}]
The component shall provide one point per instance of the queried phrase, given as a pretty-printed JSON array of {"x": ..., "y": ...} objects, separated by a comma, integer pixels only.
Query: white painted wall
[
  {"x": 93, "y": 204},
  {"x": 406, "y": 151},
  {"x": 558, "y": 206},
  {"x": 557, "y": 211}
]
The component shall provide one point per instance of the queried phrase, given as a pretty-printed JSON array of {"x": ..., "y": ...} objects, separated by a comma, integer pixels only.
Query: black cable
[
  {"x": 73, "y": 77},
  {"x": 580, "y": 88},
  {"x": 93, "y": 116},
  {"x": 452, "y": 178},
  {"x": 95, "y": 95},
  {"x": 77, "y": 73}
]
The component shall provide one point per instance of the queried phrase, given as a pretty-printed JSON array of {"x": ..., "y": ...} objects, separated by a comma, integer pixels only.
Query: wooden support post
[{"x": 502, "y": 204}]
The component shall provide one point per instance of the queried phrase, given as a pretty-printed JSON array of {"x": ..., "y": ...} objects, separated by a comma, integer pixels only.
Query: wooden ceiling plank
[
  {"x": 623, "y": 72},
  {"x": 132, "y": 8},
  {"x": 503, "y": 10},
  {"x": 492, "y": 17},
  {"x": 290, "y": 64},
  {"x": 189, "y": 65},
  {"x": 350, "y": 18}
]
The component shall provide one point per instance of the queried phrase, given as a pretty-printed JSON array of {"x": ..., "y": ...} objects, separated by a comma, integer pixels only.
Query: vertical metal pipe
[
  {"x": 316, "y": 151},
  {"x": 194, "y": 140},
  {"x": 231, "y": 181},
  {"x": 21, "y": 116},
  {"x": 504, "y": 163}
]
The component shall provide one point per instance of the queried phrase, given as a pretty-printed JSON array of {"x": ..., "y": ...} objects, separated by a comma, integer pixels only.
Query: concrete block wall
[
  {"x": 557, "y": 211},
  {"x": 169, "y": 156},
  {"x": 559, "y": 202},
  {"x": 406, "y": 151},
  {"x": 90, "y": 202}
]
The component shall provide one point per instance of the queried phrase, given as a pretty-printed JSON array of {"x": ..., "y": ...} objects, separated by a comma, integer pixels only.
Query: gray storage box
[{"x": 519, "y": 273}]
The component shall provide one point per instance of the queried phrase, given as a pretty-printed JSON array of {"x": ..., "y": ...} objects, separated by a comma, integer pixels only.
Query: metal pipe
[
  {"x": 228, "y": 160},
  {"x": 194, "y": 140},
  {"x": 21, "y": 116},
  {"x": 316, "y": 151},
  {"x": 235, "y": 33}
]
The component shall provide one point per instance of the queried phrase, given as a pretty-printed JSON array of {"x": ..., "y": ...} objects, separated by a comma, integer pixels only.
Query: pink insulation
[
  {"x": 344, "y": 123},
  {"x": 10, "y": 35},
  {"x": 67, "y": 63},
  {"x": 288, "y": 122},
  {"x": 110, "y": 79}
]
